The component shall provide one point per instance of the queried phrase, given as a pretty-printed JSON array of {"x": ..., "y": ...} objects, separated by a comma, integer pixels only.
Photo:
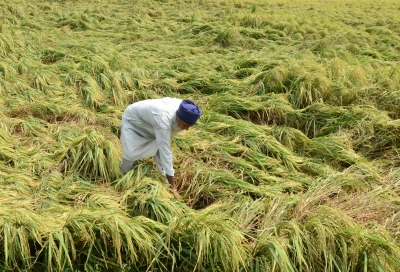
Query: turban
[{"x": 188, "y": 112}]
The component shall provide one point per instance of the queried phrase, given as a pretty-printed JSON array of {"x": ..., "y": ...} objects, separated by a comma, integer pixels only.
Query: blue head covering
[{"x": 188, "y": 112}]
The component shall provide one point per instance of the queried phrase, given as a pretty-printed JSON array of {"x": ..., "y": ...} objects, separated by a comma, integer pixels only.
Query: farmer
[{"x": 147, "y": 128}]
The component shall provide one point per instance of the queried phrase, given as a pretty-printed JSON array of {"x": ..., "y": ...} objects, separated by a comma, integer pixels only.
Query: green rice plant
[
  {"x": 228, "y": 38},
  {"x": 308, "y": 90},
  {"x": 139, "y": 73},
  {"x": 8, "y": 154},
  {"x": 322, "y": 120},
  {"x": 386, "y": 135},
  {"x": 7, "y": 44},
  {"x": 28, "y": 127},
  {"x": 205, "y": 240},
  {"x": 293, "y": 139},
  {"x": 336, "y": 69},
  {"x": 357, "y": 76},
  {"x": 50, "y": 56},
  {"x": 23, "y": 88},
  {"x": 389, "y": 101},
  {"x": 245, "y": 212},
  {"x": 16, "y": 246},
  {"x": 119, "y": 62},
  {"x": 117, "y": 90},
  {"x": 93, "y": 64},
  {"x": 379, "y": 254},
  {"x": 251, "y": 21},
  {"x": 45, "y": 80},
  {"x": 257, "y": 140},
  {"x": 382, "y": 80},
  {"x": 91, "y": 155},
  {"x": 269, "y": 108},
  {"x": 90, "y": 92},
  {"x": 270, "y": 253},
  {"x": 334, "y": 151},
  {"x": 75, "y": 24},
  {"x": 53, "y": 111},
  {"x": 273, "y": 79},
  {"x": 7, "y": 71}
]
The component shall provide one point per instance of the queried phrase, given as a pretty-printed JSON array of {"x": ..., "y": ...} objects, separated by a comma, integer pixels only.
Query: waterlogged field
[{"x": 294, "y": 165}]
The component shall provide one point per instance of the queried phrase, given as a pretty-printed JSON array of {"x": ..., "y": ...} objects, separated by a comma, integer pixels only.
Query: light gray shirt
[{"x": 150, "y": 122}]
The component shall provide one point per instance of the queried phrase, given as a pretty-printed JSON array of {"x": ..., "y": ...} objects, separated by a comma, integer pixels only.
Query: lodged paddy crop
[{"x": 293, "y": 166}]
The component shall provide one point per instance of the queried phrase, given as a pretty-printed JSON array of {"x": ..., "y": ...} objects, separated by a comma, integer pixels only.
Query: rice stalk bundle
[
  {"x": 386, "y": 136},
  {"x": 307, "y": 90},
  {"x": 30, "y": 126},
  {"x": 334, "y": 151},
  {"x": 139, "y": 73},
  {"x": 134, "y": 177},
  {"x": 5, "y": 87},
  {"x": 91, "y": 155},
  {"x": 114, "y": 240},
  {"x": 336, "y": 69},
  {"x": 227, "y": 179},
  {"x": 274, "y": 79},
  {"x": 125, "y": 78},
  {"x": 228, "y": 38},
  {"x": 8, "y": 154},
  {"x": 357, "y": 77},
  {"x": 323, "y": 120},
  {"x": 205, "y": 240},
  {"x": 292, "y": 138},
  {"x": 256, "y": 139},
  {"x": 246, "y": 213},
  {"x": 251, "y": 21},
  {"x": 270, "y": 252},
  {"x": 119, "y": 62},
  {"x": 153, "y": 200},
  {"x": 93, "y": 64},
  {"x": 105, "y": 78},
  {"x": 390, "y": 101},
  {"x": 74, "y": 77},
  {"x": 7, "y": 71},
  {"x": 50, "y": 56},
  {"x": 382, "y": 80},
  {"x": 44, "y": 80},
  {"x": 25, "y": 65},
  {"x": 7, "y": 44},
  {"x": 272, "y": 109},
  {"x": 54, "y": 111},
  {"x": 238, "y": 107},
  {"x": 90, "y": 92},
  {"x": 21, "y": 232},
  {"x": 117, "y": 90},
  {"x": 24, "y": 89},
  {"x": 317, "y": 237}
]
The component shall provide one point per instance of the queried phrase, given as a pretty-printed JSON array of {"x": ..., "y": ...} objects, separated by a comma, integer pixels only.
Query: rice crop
[{"x": 293, "y": 166}]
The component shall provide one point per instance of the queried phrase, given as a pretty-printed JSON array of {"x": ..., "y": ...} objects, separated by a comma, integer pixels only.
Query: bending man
[{"x": 147, "y": 128}]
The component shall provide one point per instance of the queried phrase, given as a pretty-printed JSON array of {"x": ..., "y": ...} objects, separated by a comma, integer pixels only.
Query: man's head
[{"x": 187, "y": 114}]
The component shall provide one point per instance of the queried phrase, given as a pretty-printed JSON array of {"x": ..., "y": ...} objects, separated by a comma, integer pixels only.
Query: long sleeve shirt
[{"x": 146, "y": 131}]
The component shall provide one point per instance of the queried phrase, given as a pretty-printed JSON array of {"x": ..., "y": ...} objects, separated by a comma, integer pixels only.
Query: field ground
[{"x": 294, "y": 165}]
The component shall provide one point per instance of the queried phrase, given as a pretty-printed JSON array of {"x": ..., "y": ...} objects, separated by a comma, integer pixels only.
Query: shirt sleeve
[{"x": 163, "y": 138}]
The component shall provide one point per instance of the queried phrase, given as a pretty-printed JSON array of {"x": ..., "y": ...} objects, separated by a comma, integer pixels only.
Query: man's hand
[{"x": 171, "y": 181}]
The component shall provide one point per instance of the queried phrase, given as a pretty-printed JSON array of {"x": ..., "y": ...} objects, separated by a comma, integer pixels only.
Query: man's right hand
[{"x": 171, "y": 181}]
